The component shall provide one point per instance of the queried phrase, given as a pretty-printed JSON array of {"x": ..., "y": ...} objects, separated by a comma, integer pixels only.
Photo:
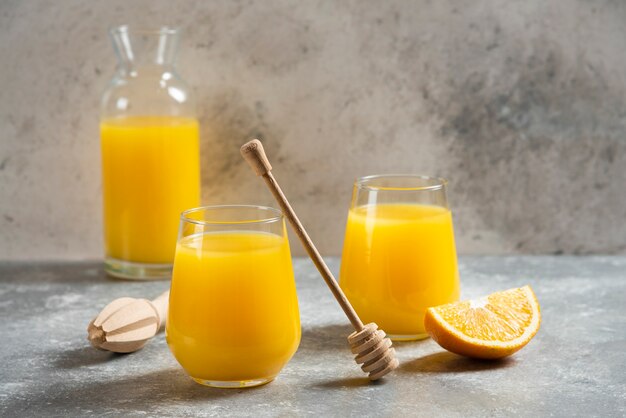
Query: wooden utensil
[
  {"x": 371, "y": 346},
  {"x": 126, "y": 324}
]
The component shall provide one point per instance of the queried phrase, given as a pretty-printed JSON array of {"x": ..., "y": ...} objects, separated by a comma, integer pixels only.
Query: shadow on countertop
[
  {"x": 144, "y": 393},
  {"x": 446, "y": 362},
  {"x": 349, "y": 383},
  {"x": 442, "y": 362},
  {"x": 84, "y": 356}
]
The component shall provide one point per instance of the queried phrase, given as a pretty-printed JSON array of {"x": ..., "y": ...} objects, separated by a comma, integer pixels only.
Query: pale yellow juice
[
  {"x": 150, "y": 174},
  {"x": 233, "y": 306},
  {"x": 398, "y": 260}
]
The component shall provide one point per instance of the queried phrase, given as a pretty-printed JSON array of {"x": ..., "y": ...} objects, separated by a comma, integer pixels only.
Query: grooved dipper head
[{"x": 373, "y": 350}]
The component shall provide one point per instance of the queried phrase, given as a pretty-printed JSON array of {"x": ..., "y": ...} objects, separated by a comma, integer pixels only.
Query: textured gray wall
[{"x": 522, "y": 105}]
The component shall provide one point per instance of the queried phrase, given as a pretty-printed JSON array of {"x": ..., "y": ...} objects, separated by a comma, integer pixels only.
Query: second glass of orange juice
[
  {"x": 233, "y": 317},
  {"x": 399, "y": 256}
]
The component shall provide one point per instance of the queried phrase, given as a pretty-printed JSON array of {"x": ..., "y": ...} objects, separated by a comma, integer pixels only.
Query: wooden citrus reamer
[
  {"x": 126, "y": 324},
  {"x": 371, "y": 346}
]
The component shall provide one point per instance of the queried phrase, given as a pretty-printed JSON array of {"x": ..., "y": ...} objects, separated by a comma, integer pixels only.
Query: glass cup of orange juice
[
  {"x": 233, "y": 318},
  {"x": 399, "y": 256}
]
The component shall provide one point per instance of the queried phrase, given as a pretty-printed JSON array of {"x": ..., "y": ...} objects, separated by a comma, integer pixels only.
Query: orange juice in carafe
[{"x": 150, "y": 174}]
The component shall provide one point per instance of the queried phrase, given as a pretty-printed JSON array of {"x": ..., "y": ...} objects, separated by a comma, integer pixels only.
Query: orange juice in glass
[
  {"x": 399, "y": 256},
  {"x": 233, "y": 318}
]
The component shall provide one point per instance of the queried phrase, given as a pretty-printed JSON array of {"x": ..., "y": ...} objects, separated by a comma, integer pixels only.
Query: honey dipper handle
[
  {"x": 160, "y": 305},
  {"x": 254, "y": 154}
]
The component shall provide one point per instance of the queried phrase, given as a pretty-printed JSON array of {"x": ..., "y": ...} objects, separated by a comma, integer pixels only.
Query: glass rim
[
  {"x": 362, "y": 182},
  {"x": 277, "y": 217},
  {"x": 163, "y": 30}
]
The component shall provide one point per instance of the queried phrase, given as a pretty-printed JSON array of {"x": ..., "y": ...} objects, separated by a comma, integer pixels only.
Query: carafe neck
[{"x": 145, "y": 51}]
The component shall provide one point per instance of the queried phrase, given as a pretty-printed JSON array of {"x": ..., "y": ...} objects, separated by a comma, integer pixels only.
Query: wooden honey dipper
[
  {"x": 126, "y": 324},
  {"x": 372, "y": 348}
]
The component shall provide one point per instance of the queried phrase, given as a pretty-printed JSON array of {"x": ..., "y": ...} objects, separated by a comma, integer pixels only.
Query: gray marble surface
[{"x": 575, "y": 366}]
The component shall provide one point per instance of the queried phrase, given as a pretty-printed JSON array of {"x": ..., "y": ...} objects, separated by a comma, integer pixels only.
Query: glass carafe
[{"x": 150, "y": 154}]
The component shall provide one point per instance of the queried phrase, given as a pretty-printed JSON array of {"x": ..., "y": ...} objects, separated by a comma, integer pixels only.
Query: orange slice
[{"x": 491, "y": 327}]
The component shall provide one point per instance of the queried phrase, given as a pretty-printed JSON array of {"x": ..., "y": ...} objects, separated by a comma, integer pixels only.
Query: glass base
[
  {"x": 137, "y": 271},
  {"x": 408, "y": 337},
  {"x": 233, "y": 384}
]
